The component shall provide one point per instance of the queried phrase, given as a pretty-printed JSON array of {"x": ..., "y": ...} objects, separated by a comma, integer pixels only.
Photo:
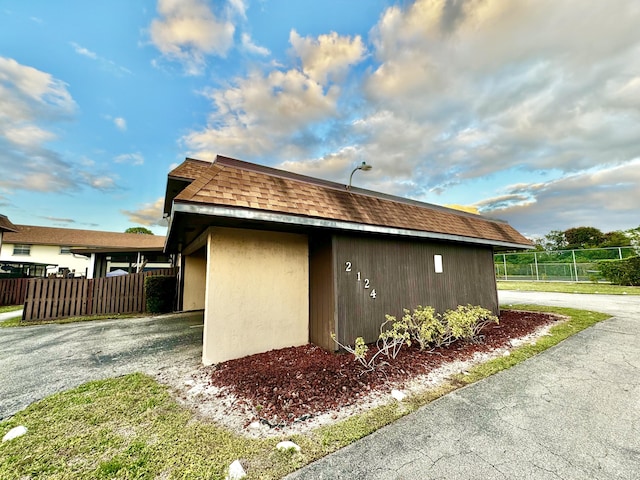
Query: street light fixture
[{"x": 364, "y": 167}]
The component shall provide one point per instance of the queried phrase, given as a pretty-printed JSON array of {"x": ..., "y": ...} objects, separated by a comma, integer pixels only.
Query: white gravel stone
[
  {"x": 398, "y": 395},
  {"x": 287, "y": 445},
  {"x": 15, "y": 432},
  {"x": 236, "y": 472}
]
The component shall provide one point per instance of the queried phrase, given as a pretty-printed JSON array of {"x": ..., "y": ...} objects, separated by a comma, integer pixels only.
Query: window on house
[
  {"x": 65, "y": 250},
  {"x": 21, "y": 249}
]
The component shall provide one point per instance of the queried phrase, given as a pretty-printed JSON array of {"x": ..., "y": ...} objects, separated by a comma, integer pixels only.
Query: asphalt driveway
[
  {"x": 572, "y": 412},
  {"x": 40, "y": 360}
]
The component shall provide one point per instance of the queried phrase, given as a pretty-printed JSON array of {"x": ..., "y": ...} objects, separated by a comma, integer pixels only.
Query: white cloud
[
  {"x": 260, "y": 114},
  {"x": 148, "y": 214},
  {"x": 327, "y": 56},
  {"x": 188, "y": 31},
  {"x": 103, "y": 183},
  {"x": 33, "y": 107},
  {"x": 467, "y": 89},
  {"x": 80, "y": 50},
  {"x": 330, "y": 167},
  {"x": 606, "y": 198},
  {"x": 28, "y": 92},
  {"x": 251, "y": 47},
  {"x": 132, "y": 158},
  {"x": 30, "y": 102},
  {"x": 239, "y": 7},
  {"x": 120, "y": 123},
  {"x": 452, "y": 93},
  {"x": 105, "y": 63},
  {"x": 274, "y": 113},
  {"x": 27, "y": 135}
]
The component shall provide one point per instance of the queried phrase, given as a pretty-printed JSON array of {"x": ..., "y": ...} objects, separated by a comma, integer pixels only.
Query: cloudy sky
[{"x": 527, "y": 110}]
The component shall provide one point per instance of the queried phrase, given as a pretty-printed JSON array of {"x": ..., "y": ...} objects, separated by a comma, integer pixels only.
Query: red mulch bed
[{"x": 296, "y": 383}]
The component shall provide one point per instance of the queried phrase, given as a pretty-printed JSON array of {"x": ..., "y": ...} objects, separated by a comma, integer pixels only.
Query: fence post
[
  {"x": 535, "y": 259},
  {"x": 504, "y": 261},
  {"x": 575, "y": 266},
  {"x": 620, "y": 253}
]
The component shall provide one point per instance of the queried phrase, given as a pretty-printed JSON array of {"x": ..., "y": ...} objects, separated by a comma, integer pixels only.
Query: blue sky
[{"x": 527, "y": 110}]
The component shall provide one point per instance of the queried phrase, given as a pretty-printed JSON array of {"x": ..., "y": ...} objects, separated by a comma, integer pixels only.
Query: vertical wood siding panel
[
  {"x": 321, "y": 311},
  {"x": 403, "y": 275}
]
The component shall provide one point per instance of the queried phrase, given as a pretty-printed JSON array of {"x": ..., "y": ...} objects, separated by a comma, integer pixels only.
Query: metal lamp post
[{"x": 364, "y": 167}]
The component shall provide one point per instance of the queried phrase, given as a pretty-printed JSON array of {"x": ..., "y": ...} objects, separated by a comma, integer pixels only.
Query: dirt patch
[{"x": 293, "y": 389}]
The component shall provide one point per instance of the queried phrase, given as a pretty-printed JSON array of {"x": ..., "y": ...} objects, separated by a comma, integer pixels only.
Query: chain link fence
[{"x": 559, "y": 265}]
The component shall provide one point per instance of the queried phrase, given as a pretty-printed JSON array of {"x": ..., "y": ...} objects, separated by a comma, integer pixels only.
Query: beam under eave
[{"x": 271, "y": 217}]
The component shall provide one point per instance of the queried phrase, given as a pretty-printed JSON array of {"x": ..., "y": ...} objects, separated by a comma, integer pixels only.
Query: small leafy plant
[{"x": 424, "y": 326}]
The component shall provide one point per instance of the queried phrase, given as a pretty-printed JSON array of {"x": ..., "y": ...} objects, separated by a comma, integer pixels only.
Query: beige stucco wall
[
  {"x": 195, "y": 279},
  {"x": 257, "y": 295},
  {"x": 47, "y": 254}
]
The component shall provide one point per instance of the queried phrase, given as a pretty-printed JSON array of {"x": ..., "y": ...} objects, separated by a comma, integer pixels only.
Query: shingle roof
[
  {"x": 233, "y": 183},
  {"x": 6, "y": 225},
  {"x": 69, "y": 237},
  {"x": 190, "y": 169}
]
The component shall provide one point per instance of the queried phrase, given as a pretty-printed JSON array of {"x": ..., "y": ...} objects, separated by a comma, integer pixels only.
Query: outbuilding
[{"x": 277, "y": 259}]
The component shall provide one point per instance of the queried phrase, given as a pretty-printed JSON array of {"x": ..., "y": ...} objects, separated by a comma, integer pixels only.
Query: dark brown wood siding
[
  {"x": 321, "y": 292},
  {"x": 402, "y": 273}
]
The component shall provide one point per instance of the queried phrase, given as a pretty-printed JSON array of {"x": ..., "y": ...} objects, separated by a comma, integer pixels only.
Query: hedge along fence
[
  {"x": 52, "y": 298},
  {"x": 160, "y": 291},
  {"x": 621, "y": 272},
  {"x": 561, "y": 265}
]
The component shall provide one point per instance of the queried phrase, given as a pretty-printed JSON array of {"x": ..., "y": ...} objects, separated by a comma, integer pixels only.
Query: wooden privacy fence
[
  {"x": 12, "y": 291},
  {"x": 50, "y": 298}
]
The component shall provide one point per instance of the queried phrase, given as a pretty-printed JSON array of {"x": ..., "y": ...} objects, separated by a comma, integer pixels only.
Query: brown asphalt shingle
[
  {"x": 69, "y": 237},
  {"x": 233, "y": 183},
  {"x": 190, "y": 169},
  {"x": 6, "y": 225}
]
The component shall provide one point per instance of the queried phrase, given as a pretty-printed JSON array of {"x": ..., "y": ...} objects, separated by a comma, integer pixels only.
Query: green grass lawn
[
  {"x": 16, "y": 321},
  {"x": 131, "y": 427},
  {"x": 569, "y": 287}
]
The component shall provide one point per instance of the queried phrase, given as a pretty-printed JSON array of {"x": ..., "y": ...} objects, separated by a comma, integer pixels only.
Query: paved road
[
  {"x": 40, "y": 360},
  {"x": 572, "y": 412}
]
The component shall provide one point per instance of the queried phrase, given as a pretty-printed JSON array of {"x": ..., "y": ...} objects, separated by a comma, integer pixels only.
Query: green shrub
[
  {"x": 160, "y": 292},
  {"x": 425, "y": 326},
  {"x": 466, "y": 322},
  {"x": 621, "y": 272}
]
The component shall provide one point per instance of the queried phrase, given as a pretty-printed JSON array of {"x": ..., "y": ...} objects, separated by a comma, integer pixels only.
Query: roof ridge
[
  {"x": 275, "y": 172},
  {"x": 203, "y": 163},
  {"x": 198, "y": 183},
  {"x": 78, "y": 229}
]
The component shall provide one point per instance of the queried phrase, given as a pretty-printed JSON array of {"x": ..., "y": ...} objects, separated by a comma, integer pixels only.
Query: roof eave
[{"x": 221, "y": 211}]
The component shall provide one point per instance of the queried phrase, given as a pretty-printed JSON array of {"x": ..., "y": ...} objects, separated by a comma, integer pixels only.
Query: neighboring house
[
  {"x": 277, "y": 259},
  {"x": 82, "y": 253},
  {"x": 5, "y": 226}
]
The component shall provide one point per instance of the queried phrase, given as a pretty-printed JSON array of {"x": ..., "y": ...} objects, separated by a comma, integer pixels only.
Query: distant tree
[
  {"x": 139, "y": 230},
  {"x": 554, "y": 240},
  {"x": 617, "y": 238},
  {"x": 538, "y": 242},
  {"x": 583, "y": 237},
  {"x": 633, "y": 234}
]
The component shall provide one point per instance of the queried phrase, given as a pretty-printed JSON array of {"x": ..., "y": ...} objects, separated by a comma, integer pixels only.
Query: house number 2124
[{"x": 366, "y": 283}]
